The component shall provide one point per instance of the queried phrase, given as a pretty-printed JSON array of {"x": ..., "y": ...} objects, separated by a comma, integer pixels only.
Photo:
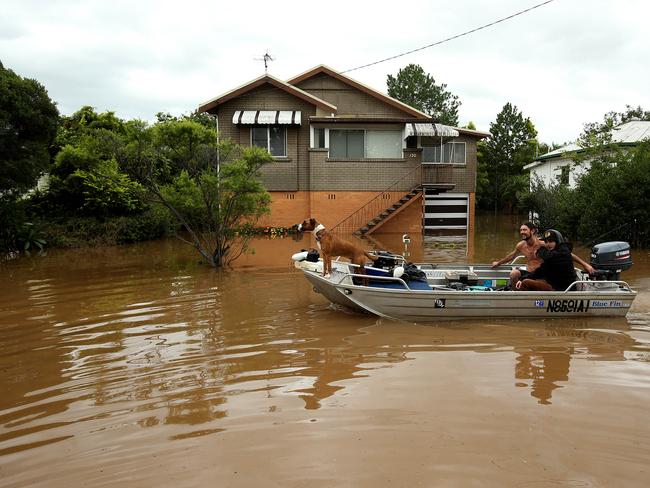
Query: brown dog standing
[{"x": 332, "y": 245}]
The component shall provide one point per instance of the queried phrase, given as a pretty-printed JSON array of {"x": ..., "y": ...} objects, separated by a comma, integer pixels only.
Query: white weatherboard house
[{"x": 558, "y": 167}]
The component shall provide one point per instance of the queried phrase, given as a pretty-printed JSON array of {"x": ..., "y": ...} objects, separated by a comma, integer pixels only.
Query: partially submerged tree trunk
[{"x": 209, "y": 197}]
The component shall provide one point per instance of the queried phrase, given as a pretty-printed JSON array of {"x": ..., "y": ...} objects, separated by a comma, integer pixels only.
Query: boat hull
[
  {"x": 600, "y": 299},
  {"x": 325, "y": 288},
  {"x": 417, "y": 306}
]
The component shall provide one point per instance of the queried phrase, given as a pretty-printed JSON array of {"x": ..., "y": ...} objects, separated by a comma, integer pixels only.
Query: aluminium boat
[{"x": 457, "y": 291}]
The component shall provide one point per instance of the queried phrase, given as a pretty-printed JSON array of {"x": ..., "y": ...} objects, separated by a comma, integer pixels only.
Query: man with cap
[
  {"x": 528, "y": 247},
  {"x": 556, "y": 271}
]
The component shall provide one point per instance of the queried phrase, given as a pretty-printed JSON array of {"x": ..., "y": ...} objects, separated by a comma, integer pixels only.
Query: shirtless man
[{"x": 528, "y": 247}]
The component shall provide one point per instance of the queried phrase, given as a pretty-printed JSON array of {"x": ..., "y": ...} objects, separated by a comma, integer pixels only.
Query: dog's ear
[{"x": 312, "y": 221}]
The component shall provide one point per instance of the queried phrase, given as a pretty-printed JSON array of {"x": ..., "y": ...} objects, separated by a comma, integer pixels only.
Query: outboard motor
[
  {"x": 385, "y": 260},
  {"x": 609, "y": 259}
]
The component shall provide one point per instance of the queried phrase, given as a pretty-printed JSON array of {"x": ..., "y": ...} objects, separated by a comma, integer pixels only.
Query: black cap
[{"x": 552, "y": 235}]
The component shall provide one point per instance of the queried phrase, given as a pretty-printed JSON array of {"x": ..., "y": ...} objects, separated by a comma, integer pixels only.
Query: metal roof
[
  {"x": 556, "y": 153},
  {"x": 439, "y": 130},
  {"x": 631, "y": 132}
]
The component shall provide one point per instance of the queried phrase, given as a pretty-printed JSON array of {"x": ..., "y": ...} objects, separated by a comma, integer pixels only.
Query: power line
[{"x": 452, "y": 37}]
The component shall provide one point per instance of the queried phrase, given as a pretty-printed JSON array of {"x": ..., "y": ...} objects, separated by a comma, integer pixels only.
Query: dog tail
[{"x": 370, "y": 256}]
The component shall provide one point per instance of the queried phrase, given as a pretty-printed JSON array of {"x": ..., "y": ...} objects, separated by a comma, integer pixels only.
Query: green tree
[
  {"x": 28, "y": 120},
  {"x": 511, "y": 146},
  {"x": 212, "y": 188},
  {"x": 595, "y": 134},
  {"x": 88, "y": 174},
  {"x": 611, "y": 200},
  {"x": 418, "y": 89}
]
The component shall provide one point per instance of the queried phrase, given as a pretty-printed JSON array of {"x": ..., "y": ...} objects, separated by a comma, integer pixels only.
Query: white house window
[
  {"x": 361, "y": 144},
  {"x": 563, "y": 176},
  {"x": 273, "y": 138},
  {"x": 450, "y": 152},
  {"x": 384, "y": 144}
]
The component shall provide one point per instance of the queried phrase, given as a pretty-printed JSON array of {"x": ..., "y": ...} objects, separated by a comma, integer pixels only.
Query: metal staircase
[{"x": 380, "y": 209}]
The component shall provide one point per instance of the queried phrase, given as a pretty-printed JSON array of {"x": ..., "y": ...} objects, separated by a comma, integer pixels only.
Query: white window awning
[
  {"x": 438, "y": 130},
  {"x": 266, "y": 117}
]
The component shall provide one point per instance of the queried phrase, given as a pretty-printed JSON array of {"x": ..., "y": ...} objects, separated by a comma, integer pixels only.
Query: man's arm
[
  {"x": 506, "y": 259},
  {"x": 583, "y": 264}
]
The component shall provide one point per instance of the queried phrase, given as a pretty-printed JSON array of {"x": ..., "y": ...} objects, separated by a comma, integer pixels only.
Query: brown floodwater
[{"x": 138, "y": 366}]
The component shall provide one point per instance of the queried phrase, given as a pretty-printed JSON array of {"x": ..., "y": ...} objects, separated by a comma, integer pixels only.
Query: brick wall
[
  {"x": 329, "y": 207},
  {"x": 290, "y": 173},
  {"x": 408, "y": 221}
]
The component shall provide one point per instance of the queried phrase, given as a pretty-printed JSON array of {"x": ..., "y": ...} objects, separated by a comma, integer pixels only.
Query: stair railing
[{"x": 360, "y": 217}]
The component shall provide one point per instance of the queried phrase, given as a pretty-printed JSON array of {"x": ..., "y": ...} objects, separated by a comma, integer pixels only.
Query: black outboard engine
[
  {"x": 609, "y": 259},
  {"x": 385, "y": 260}
]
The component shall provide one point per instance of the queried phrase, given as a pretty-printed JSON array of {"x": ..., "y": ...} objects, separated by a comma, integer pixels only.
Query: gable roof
[
  {"x": 262, "y": 80},
  {"x": 359, "y": 86}
]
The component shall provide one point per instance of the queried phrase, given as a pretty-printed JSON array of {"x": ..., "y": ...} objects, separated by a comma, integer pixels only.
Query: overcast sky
[{"x": 563, "y": 64}]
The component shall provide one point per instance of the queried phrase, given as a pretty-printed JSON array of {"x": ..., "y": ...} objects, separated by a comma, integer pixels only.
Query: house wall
[
  {"x": 347, "y": 99},
  {"x": 549, "y": 171},
  {"x": 463, "y": 176},
  {"x": 364, "y": 174},
  {"x": 408, "y": 221},
  {"x": 328, "y": 207},
  {"x": 288, "y": 173}
]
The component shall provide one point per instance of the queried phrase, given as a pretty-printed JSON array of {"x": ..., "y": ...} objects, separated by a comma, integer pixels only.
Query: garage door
[{"x": 445, "y": 210}]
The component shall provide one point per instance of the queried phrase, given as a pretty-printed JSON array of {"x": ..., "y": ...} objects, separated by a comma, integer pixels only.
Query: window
[
  {"x": 563, "y": 177},
  {"x": 383, "y": 143},
  {"x": 273, "y": 138},
  {"x": 319, "y": 138},
  {"x": 412, "y": 142},
  {"x": 360, "y": 144},
  {"x": 346, "y": 144},
  {"x": 450, "y": 152}
]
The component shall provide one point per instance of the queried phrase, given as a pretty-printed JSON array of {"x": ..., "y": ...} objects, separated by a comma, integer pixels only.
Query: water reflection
[{"x": 136, "y": 346}]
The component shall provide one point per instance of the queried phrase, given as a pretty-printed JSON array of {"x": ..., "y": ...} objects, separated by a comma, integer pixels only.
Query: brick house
[{"x": 354, "y": 158}]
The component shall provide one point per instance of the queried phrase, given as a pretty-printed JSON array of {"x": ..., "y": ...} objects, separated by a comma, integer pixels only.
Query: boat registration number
[{"x": 576, "y": 305}]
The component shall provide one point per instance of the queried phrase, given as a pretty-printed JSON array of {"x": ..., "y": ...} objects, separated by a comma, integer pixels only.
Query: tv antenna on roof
[{"x": 266, "y": 58}]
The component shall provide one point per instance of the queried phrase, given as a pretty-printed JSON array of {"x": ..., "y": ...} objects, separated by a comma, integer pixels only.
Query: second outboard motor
[{"x": 609, "y": 259}]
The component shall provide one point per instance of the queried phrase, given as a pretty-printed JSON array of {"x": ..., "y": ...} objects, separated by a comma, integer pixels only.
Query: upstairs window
[
  {"x": 361, "y": 144},
  {"x": 346, "y": 144},
  {"x": 319, "y": 138},
  {"x": 450, "y": 152},
  {"x": 273, "y": 138},
  {"x": 563, "y": 176},
  {"x": 384, "y": 144}
]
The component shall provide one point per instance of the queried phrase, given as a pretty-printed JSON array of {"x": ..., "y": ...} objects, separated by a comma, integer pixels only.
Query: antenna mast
[{"x": 266, "y": 58}]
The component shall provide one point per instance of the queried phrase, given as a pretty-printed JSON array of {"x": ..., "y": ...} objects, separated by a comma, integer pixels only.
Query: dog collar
[{"x": 318, "y": 228}]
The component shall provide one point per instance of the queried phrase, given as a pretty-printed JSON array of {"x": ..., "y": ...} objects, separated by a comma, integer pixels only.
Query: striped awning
[
  {"x": 438, "y": 130},
  {"x": 266, "y": 117}
]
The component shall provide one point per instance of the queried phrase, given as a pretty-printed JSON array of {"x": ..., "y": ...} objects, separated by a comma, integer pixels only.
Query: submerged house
[
  {"x": 352, "y": 157},
  {"x": 558, "y": 166}
]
